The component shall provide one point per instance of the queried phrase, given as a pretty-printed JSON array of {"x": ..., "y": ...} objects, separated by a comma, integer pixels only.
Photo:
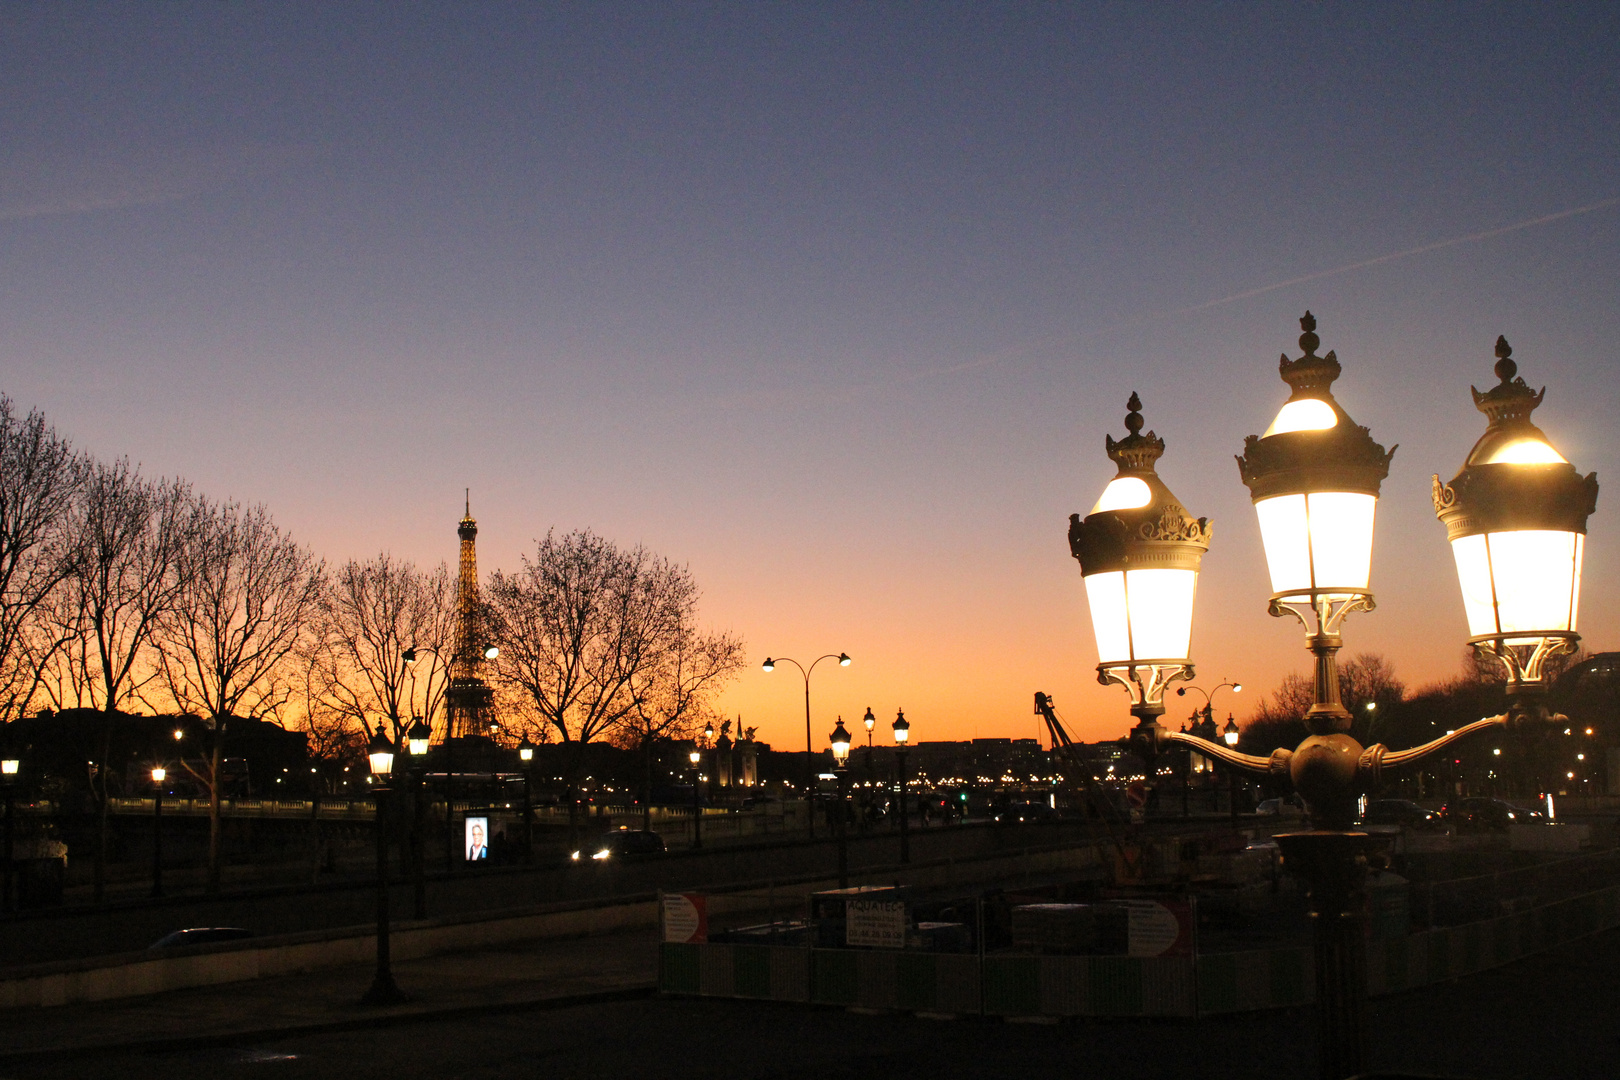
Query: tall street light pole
[
  {"x": 839, "y": 739},
  {"x": 159, "y": 774},
  {"x": 380, "y": 754},
  {"x": 416, "y": 744},
  {"x": 10, "y": 765},
  {"x": 809, "y": 746},
  {"x": 696, "y": 758},
  {"x": 526, "y": 760},
  {"x": 902, "y": 739}
]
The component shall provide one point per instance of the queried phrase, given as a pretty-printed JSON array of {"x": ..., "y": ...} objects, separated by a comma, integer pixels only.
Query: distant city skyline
[{"x": 834, "y": 303}]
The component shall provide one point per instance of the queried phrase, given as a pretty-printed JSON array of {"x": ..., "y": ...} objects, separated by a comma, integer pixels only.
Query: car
[
  {"x": 201, "y": 935},
  {"x": 1288, "y": 807},
  {"x": 1027, "y": 811},
  {"x": 1401, "y": 812},
  {"x": 1479, "y": 813},
  {"x": 618, "y": 845}
]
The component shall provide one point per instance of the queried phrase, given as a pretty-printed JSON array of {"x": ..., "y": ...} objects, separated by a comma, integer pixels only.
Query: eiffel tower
[{"x": 468, "y": 700}]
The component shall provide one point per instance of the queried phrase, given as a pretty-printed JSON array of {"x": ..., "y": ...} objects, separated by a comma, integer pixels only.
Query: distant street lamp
[
  {"x": 696, "y": 758},
  {"x": 159, "y": 773},
  {"x": 526, "y": 761},
  {"x": 417, "y": 737},
  {"x": 839, "y": 740},
  {"x": 380, "y": 756},
  {"x": 809, "y": 749},
  {"x": 902, "y": 739},
  {"x": 10, "y": 765}
]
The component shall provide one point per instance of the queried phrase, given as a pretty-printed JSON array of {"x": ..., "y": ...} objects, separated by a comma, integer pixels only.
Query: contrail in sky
[
  {"x": 986, "y": 361},
  {"x": 1425, "y": 249}
]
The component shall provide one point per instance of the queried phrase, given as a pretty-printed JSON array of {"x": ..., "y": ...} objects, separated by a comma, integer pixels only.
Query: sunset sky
[{"x": 835, "y": 303}]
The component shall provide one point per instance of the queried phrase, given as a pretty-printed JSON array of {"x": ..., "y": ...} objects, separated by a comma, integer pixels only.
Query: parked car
[
  {"x": 201, "y": 935},
  {"x": 618, "y": 845},
  {"x": 1401, "y": 812},
  {"x": 1288, "y": 807},
  {"x": 1478, "y": 813}
]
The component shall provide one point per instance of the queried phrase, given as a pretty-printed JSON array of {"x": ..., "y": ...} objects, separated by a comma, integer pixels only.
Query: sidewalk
[{"x": 553, "y": 972}]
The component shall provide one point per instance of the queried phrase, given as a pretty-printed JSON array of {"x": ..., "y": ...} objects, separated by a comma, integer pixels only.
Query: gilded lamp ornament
[{"x": 1139, "y": 552}]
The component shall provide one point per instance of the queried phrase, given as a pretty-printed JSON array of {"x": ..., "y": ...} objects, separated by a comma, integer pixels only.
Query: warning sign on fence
[
  {"x": 879, "y": 923},
  {"x": 686, "y": 917}
]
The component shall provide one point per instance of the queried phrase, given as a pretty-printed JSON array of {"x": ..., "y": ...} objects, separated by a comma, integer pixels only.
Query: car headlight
[
  {"x": 604, "y": 853},
  {"x": 575, "y": 856}
]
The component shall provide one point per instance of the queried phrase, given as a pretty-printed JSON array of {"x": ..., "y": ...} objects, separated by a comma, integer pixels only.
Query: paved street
[{"x": 1550, "y": 1017}]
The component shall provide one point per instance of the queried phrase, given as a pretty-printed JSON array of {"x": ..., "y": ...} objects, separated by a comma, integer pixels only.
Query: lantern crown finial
[
  {"x": 1135, "y": 452},
  {"x": 1510, "y": 400},
  {"x": 1310, "y": 375}
]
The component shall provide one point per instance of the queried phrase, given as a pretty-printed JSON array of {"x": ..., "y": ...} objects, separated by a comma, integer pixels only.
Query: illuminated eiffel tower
[{"x": 468, "y": 700}]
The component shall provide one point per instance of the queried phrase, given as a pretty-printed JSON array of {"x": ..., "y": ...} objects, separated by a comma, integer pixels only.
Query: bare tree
[
  {"x": 386, "y": 623},
  {"x": 40, "y": 475},
  {"x": 128, "y": 532},
  {"x": 578, "y": 626},
  {"x": 674, "y": 696},
  {"x": 249, "y": 593}
]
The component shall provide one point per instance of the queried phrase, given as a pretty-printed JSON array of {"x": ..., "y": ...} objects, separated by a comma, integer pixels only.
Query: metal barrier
[{"x": 1008, "y": 984}]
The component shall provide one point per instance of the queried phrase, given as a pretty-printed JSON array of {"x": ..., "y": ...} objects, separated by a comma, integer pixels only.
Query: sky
[{"x": 834, "y": 303}]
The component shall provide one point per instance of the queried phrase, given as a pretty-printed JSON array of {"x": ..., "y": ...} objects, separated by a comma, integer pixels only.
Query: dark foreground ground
[{"x": 1556, "y": 1015}]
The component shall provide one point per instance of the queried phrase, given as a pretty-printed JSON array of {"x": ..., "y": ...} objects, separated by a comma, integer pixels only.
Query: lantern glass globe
[
  {"x": 1142, "y": 614},
  {"x": 1318, "y": 543}
]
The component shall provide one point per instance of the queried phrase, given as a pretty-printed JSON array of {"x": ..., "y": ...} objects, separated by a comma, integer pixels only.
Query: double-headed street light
[
  {"x": 809, "y": 748},
  {"x": 1516, "y": 518},
  {"x": 839, "y": 741},
  {"x": 380, "y": 756}
]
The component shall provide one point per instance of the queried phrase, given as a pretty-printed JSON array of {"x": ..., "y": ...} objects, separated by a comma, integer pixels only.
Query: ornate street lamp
[
  {"x": 1230, "y": 732},
  {"x": 1314, "y": 477},
  {"x": 809, "y": 749},
  {"x": 1516, "y": 518},
  {"x": 1139, "y": 553},
  {"x": 1516, "y": 515},
  {"x": 417, "y": 737},
  {"x": 902, "y": 739},
  {"x": 839, "y": 741},
  {"x": 871, "y": 722},
  {"x": 380, "y": 754}
]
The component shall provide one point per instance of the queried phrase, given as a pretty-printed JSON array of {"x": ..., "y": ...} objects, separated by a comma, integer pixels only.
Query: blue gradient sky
[{"x": 835, "y": 303}]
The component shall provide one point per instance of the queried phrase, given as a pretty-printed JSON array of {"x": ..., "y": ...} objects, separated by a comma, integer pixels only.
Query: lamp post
[
  {"x": 10, "y": 765},
  {"x": 902, "y": 738},
  {"x": 1206, "y": 728},
  {"x": 870, "y": 722},
  {"x": 417, "y": 738},
  {"x": 809, "y": 750},
  {"x": 839, "y": 740},
  {"x": 1516, "y": 519},
  {"x": 1139, "y": 553},
  {"x": 380, "y": 755},
  {"x": 1516, "y": 516},
  {"x": 159, "y": 773},
  {"x": 526, "y": 760},
  {"x": 696, "y": 758}
]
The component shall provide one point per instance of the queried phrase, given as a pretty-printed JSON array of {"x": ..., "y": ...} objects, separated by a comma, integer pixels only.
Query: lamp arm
[
  {"x": 1378, "y": 758},
  {"x": 1275, "y": 765}
]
